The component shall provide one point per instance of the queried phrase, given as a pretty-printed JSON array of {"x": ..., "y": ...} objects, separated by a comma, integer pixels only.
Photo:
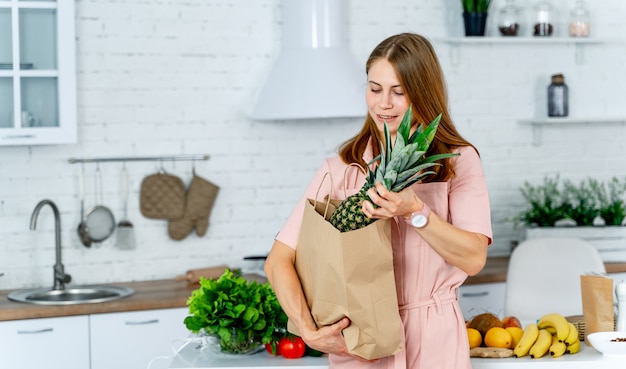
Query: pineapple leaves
[
  {"x": 399, "y": 165},
  {"x": 426, "y": 137},
  {"x": 396, "y": 167}
]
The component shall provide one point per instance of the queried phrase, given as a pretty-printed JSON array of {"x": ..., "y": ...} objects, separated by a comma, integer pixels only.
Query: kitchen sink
[{"x": 71, "y": 295}]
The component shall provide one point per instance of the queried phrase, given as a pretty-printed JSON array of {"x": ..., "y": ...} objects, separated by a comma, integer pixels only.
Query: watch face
[{"x": 419, "y": 220}]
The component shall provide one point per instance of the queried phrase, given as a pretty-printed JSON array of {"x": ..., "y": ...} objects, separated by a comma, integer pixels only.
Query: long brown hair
[{"x": 422, "y": 80}]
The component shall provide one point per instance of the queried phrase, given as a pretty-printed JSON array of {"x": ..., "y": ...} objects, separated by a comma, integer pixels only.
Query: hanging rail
[{"x": 140, "y": 158}]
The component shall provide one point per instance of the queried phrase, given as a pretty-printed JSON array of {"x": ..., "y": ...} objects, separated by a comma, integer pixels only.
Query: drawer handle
[
  {"x": 475, "y": 294},
  {"x": 144, "y": 322},
  {"x": 17, "y": 137},
  {"x": 36, "y": 331}
]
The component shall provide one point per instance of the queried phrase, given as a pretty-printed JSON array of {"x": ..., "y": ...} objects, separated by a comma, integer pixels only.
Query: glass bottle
[
  {"x": 508, "y": 19},
  {"x": 579, "y": 21},
  {"x": 558, "y": 96},
  {"x": 543, "y": 25}
]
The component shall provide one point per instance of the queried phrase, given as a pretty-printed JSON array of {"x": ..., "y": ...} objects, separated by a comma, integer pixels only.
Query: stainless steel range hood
[{"x": 315, "y": 76}]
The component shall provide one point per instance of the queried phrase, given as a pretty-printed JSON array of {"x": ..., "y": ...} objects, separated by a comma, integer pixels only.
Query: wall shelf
[
  {"x": 538, "y": 123},
  {"x": 522, "y": 40},
  {"x": 578, "y": 42}
]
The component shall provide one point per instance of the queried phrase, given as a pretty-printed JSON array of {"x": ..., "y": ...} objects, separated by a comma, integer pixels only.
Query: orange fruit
[
  {"x": 474, "y": 337},
  {"x": 516, "y": 335},
  {"x": 498, "y": 337}
]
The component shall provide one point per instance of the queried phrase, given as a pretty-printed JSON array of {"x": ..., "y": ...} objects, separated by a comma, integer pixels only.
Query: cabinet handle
[
  {"x": 36, "y": 331},
  {"x": 143, "y": 322},
  {"x": 16, "y": 137},
  {"x": 475, "y": 294}
]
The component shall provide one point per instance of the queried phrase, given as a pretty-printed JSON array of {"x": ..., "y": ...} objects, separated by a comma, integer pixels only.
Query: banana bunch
[{"x": 551, "y": 334}]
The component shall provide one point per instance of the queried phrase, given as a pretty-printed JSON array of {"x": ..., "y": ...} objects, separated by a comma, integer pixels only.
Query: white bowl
[{"x": 601, "y": 341}]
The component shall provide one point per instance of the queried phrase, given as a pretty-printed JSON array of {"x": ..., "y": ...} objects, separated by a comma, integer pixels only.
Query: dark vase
[{"x": 475, "y": 23}]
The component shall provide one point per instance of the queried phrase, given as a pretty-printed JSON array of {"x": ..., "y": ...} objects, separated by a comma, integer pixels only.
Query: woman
[{"x": 431, "y": 260}]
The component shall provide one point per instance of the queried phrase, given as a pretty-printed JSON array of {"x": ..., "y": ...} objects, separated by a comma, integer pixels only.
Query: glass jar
[
  {"x": 508, "y": 19},
  {"x": 543, "y": 24},
  {"x": 579, "y": 21},
  {"x": 558, "y": 97}
]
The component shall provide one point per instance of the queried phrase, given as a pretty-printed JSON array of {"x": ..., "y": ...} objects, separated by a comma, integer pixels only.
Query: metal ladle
[{"x": 83, "y": 230}]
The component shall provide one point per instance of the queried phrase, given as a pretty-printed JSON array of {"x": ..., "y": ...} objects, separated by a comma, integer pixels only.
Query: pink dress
[{"x": 434, "y": 327}]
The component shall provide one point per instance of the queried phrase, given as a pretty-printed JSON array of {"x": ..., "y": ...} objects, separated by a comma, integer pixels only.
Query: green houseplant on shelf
[
  {"x": 588, "y": 203},
  {"x": 243, "y": 315},
  {"x": 475, "y": 16},
  {"x": 591, "y": 210}
]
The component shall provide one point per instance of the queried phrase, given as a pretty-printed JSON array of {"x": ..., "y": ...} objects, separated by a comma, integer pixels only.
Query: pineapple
[{"x": 399, "y": 167}]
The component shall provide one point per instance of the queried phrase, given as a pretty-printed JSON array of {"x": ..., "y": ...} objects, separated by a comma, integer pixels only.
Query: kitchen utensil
[
  {"x": 125, "y": 239},
  {"x": 99, "y": 219},
  {"x": 162, "y": 196},
  {"x": 83, "y": 232},
  {"x": 192, "y": 276}
]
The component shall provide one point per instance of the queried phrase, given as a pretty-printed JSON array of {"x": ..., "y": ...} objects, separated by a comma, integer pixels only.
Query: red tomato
[
  {"x": 291, "y": 347},
  {"x": 268, "y": 347}
]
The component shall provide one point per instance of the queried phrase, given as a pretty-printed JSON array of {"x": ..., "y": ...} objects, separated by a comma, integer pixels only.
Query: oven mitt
[
  {"x": 162, "y": 196},
  {"x": 198, "y": 205}
]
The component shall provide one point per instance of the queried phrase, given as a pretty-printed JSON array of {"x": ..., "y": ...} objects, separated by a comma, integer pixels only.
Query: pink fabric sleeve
[{"x": 469, "y": 199}]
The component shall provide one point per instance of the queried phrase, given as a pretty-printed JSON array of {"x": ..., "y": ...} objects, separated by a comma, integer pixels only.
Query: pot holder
[
  {"x": 162, "y": 197},
  {"x": 199, "y": 203}
]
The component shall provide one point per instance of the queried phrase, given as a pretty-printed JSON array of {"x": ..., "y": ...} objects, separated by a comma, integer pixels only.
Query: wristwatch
[{"x": 419, "y": 219}]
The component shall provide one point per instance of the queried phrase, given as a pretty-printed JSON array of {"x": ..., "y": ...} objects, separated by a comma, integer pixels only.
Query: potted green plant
[
  {"x": 242, "y": 314},
  {"x": 587, "y": 203},
  {"x": 591, "y": 210},
  {"x": 475, "y": 16}
]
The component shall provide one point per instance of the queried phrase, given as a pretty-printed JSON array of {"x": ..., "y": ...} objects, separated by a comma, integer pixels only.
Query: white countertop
[
  {"x": 586, "y": 358},
  {"x": 192, "y": 356}
]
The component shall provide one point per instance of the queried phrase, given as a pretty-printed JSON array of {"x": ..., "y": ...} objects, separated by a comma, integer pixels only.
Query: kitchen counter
[
  {"x": 165, "y": 294},
  {"x": 496, "y": 268},
  {"x": 191, "y": 356},
  {"x": 586, "y": 358},
  {"x": 159, "y": 294}
]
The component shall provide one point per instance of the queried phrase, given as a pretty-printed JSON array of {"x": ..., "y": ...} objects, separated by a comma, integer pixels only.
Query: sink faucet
[{"x": 60, "y": 277}]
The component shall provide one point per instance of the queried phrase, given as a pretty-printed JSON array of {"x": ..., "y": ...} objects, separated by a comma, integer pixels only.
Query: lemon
[
  {"x": 498, "y": 337},
  {"x": 516, "y": 335},
  {"x": 474, "y": 337}
]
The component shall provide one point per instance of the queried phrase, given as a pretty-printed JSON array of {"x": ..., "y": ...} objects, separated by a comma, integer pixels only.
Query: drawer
[{"x": 475, "y": 299}]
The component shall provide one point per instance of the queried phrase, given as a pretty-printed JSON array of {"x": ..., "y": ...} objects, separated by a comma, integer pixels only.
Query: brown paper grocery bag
[
  {"x": 598, "y": 311},
  {"x": 350, "y": 274}
]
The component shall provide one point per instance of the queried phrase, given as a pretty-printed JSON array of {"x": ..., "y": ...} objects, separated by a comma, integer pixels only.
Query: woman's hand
[
  {"x": 329, "y": 339},
  {"x": 391, "y": 204}
]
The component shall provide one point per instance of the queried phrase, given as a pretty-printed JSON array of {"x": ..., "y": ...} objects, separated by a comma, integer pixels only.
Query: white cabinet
[
  {"x": 475, "y": 299},
  {"x": 130, "y": 340},
  {"x": 37, "y": 72},
  {"x": 51, "y": 343}
]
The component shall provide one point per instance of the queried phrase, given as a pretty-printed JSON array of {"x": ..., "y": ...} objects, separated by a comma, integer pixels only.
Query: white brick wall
[{"x": 178, "y": 77}]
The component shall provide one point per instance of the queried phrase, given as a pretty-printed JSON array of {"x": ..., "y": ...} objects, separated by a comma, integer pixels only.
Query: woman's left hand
[{"x": 389, "y": 203}]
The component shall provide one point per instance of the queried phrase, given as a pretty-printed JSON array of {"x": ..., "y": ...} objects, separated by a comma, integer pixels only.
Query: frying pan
[{"x": 99, "y": 219}]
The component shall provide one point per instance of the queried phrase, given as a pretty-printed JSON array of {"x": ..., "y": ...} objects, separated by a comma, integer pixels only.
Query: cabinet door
[
  {"x": 480, "y": 298},
  {"x": 131, "y": 340},
  {"x": 51, "y": 343},
  {"x": 37, "y": 72}
]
